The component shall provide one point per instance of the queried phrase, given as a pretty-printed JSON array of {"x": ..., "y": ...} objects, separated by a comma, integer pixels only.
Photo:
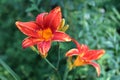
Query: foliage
[{"x": 92, "y": 22}]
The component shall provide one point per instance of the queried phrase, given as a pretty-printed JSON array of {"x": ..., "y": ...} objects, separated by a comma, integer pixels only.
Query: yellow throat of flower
[
  {"x": 79, "y": 61},
  {"x": 45, "y": 34}
]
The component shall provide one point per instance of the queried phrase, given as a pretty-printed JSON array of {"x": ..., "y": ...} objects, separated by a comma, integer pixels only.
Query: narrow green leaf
[{"x": 9, "y": 70}]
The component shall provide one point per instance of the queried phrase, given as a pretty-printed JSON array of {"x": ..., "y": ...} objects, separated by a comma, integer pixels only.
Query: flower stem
[
  {"x": 56, "y": 70},
  {"x": 66, "y": 73},
  {"x": 68, "y": 68},
  {"x": 34, "y": 49},
  {"x": 58, "y": 55},
  {"x": 50, "y": 64}
]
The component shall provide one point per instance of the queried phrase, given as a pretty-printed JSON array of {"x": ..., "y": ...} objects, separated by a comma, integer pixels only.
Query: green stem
[
  {"x": 34, "y": 49},
  {"x": 56, "y": 70},
  {"x": 58, "y": 55},
  {"x": 50, "y": 64},
  {"x": 66, "y": 73},
  {"x": 68, "y": 68}
]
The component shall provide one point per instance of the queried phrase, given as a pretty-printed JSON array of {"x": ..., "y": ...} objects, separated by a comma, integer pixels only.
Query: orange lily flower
[
  {"x": 43, "y": 31},
  {"x": 85, "y": 56}
]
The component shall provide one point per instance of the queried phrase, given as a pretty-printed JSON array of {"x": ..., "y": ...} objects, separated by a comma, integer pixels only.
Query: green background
[{"x": 92, "y": 22}]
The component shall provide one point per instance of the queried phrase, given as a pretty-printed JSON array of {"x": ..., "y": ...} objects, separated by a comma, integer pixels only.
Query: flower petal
[
  {"x": 72, "y": 52},
  {"x": 44, "y": 47},
  {"x": 28, "y": 28},
  {"x": 30, "y": 41},
  {"x": 53, "y": 19},
  {"x": 80, "y": 62},
  {"x": 84, "y": 48},
  {"x": 93, "y": 54},
  {"x": 61, "y": 37},
  {"x": 77, "y": 44},
  {"x": 40, "y": 19},
  {"x": 81, "y": 47},
  {"x": 96, "y": 66}
]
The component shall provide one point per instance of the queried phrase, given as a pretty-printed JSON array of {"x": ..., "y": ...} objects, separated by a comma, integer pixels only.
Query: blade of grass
[
  {"x": 2, "y": 78},
  {"x": 116, "y": 12},
  {"x": 15, "y": 76}
]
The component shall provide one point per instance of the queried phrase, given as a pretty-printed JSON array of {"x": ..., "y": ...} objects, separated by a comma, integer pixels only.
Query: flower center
[
  {"x": 80, "y": 62},
  {"x": 45, "y": 34}
]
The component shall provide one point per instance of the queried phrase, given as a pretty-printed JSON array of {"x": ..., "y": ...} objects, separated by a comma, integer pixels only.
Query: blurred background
[{"x": 92, "y": 22}]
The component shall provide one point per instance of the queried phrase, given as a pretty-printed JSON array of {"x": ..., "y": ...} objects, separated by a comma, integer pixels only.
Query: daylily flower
[
  {"x": 43, "y": 31},
  {"x": 85, "y": 56}
]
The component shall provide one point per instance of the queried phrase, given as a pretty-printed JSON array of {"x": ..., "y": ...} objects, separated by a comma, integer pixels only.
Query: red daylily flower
[
  {"x": 85, "y": 56},
  {"x": 43, "y": 31}
]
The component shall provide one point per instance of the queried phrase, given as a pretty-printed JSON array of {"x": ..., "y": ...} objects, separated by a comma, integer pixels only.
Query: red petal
[
  {"x": 53, "y": 19},
  {"x": 27, "y": 42},
  {"x": 84, "y": 48},
  {"x": 94, "y": 54},
  {"x": 77, "y": 44},
  {"x": 61, "y": 36},
  {"x": 28, "y": 28},
  {"x": 40, "y": 19},
  {"x": 44, "y": 47},
  {"x": 96, "y": 66},
  {"x": 72, "y": 52}
]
